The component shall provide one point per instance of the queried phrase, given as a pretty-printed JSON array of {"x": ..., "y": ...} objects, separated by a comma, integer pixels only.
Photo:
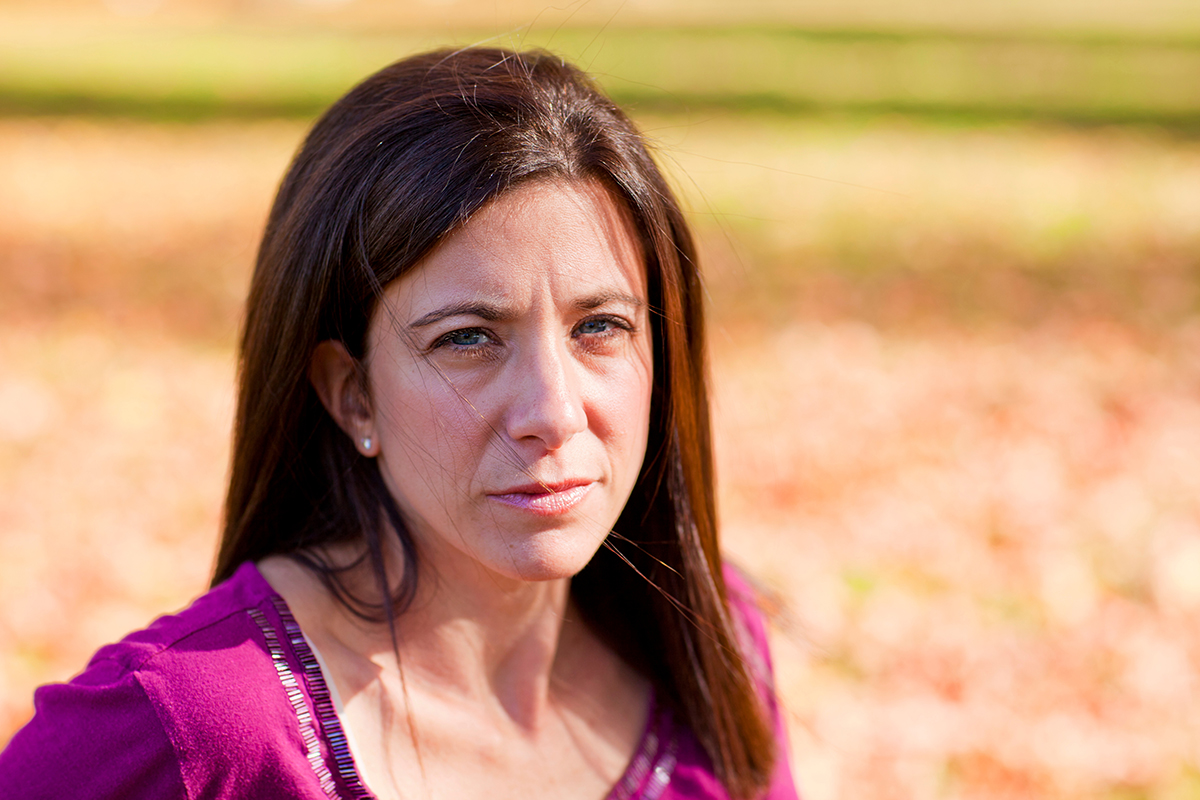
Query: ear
[{"x": 337, "y": 378}]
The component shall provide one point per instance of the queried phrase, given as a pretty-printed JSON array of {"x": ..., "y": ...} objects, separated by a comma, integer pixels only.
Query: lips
[{"x": 544, "y": 499}]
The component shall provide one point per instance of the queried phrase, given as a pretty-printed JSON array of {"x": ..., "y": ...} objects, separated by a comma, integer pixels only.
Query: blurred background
[{"x": 953, "y": 253}]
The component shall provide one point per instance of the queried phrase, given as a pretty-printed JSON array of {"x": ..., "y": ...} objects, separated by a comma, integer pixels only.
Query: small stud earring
[{"x": 367, "y": 444}]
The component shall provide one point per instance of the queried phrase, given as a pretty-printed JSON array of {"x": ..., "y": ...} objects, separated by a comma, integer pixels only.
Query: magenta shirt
[{"x": 226, "y": 700}]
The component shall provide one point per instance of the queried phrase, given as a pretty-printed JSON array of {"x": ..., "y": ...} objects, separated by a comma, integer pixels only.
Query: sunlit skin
[
  {"x": 507, "y": 400},
  {"x": 510, "y": 385}
]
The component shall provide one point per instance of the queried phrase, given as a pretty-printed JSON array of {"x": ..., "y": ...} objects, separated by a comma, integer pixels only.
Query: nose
[{"x": 546, "y": 402}]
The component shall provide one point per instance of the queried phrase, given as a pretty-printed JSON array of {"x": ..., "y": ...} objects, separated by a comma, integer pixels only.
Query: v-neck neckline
[{"x": 645, "y": 777}]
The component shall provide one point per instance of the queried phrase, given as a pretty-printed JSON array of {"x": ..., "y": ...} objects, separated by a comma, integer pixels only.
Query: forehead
[{"x": 571, "y": 237}]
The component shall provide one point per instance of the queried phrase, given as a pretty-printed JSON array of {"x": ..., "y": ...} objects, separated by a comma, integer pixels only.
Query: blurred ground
[{"x": 957, "y": 373}]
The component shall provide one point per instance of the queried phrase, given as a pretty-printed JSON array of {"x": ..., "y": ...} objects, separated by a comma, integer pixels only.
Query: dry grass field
[{"x": 957, "y": 375}]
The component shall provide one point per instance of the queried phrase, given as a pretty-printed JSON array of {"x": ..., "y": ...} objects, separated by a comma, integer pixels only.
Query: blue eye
[
  {"x": 600, "y": 325},
  {"x": 471, "y": 337}
]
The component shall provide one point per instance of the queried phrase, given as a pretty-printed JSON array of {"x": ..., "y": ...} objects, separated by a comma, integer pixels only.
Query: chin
[{"x": 538, "y": 562}]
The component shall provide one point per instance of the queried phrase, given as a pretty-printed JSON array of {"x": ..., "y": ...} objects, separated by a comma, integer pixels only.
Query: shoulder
[
  {"x": 747, "y": 604},
  {"x": 750, "y": 605},
  {"x": 217, "y": 624},
  {"x": 192, "y": 696},
  {"x": 204, "y": 660}
]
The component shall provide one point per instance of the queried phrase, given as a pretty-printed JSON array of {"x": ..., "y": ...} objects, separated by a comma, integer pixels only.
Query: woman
[{"x": 470, "y": 547}]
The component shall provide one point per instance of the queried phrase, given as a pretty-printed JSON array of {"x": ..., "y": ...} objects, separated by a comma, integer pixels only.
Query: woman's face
[{"x": 510, "y": 378}]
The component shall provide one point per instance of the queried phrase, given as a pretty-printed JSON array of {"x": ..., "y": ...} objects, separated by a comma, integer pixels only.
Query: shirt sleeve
[{"x": 98, "y": 736}]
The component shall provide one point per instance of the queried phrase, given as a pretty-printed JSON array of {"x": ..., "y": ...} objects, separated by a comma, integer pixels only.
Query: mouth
[{"x": 544, "y": 499}]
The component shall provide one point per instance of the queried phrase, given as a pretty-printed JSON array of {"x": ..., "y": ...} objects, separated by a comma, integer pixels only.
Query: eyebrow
[
  {"x": 603, "y": 298},
  {"x": 492, "y": 313},
  {"x": 473, "y": 308}
]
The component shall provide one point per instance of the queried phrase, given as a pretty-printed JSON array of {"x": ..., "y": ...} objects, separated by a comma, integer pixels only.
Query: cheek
[
  {"x": 430, "y": 427},
  {"x": 625, "y": 408}
]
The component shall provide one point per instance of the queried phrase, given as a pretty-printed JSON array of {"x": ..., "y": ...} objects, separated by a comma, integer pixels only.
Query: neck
[{"x": 489, "y": 640}]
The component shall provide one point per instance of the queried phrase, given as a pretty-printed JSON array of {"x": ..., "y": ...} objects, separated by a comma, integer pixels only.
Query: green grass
[{"x": 249, "y": 72}]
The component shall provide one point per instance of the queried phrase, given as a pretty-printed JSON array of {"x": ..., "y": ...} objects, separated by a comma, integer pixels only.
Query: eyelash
[
  {"x": 618, "y": 324},
  {"x": 447, "y": 340}
]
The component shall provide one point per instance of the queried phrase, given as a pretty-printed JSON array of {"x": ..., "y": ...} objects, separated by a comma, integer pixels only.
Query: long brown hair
[{"x": 406, "y": 157}]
